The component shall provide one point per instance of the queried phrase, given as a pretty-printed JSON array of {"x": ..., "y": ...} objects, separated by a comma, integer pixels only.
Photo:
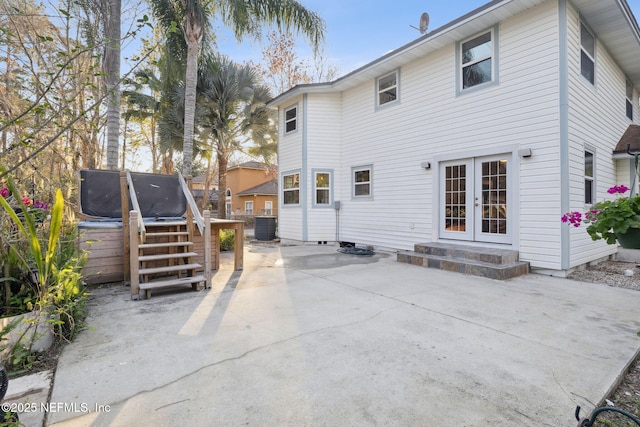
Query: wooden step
[
  {"x": 172, "y": 282},
  {"x": 168, "y": 269},
  {"x": 164, "y": 245},
  {"x": 157, "y": 284},
  {"x": 168, "y": 233},
  {"x": 164, "y": 223},
  {"x": 166, "y": 256}
]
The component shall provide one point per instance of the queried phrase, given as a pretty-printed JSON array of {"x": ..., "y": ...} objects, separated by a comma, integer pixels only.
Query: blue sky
[{"x": 359, "y": 32}]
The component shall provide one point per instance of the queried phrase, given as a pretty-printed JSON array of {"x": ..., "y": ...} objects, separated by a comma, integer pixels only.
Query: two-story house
[
  {"x": 481, "y": 132},
  {"x": 251, "y": 190}
]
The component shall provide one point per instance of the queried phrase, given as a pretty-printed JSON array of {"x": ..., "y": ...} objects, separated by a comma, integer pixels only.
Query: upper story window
[
  {"x": 290, "y": 119},
  {"x": 629, "y": 101},
  {"x": 587, "y": 54},
  {"x": 291, "y": 189},
  {"x": 589, "y": 171},
  {"x": 228, "y": 193},
  {"x": 477, "y": 60},
  {"x": 387, "y": 87},
  {"x": 362, "y": 181}
]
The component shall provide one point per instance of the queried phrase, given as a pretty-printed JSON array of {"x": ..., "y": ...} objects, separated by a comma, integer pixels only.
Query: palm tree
[
  {"x": 232, "y": 111},
  {"x": 111, "y": 67},
  {"x": 144, "y": 106},
  {"x": 191, "y": 18}
]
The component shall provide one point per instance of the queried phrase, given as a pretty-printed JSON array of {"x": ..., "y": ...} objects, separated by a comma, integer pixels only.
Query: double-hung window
[
  {"x": 362, "y": 181},
  {"x": 290, "y": 119},
  {"x": 323, "y": 189},
  {"x": 291, "y": 189},
  {"x": 587, "y": 54},
  {"x": 629, "y": 102},
  {"x": 387, "y": 87},
  {"x": 477, "y": 60},
  {"x": 248, "y": 208},
  {"x": 589, "y": 172}
]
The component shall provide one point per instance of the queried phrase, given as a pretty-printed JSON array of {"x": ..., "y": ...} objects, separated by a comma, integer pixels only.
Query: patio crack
[{"x": 251, "y": 351}]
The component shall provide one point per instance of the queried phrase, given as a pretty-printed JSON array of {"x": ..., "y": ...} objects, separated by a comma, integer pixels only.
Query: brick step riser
[
  {"x": 463, "y": 253},
  {"x": 465, "y": 266}
]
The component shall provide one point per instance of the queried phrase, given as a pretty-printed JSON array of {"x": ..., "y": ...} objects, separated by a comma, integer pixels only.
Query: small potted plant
[{"x": 616, "y": 220}]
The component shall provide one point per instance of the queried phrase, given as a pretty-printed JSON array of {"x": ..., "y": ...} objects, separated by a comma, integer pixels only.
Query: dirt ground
[{"x": 627, "y": 394}]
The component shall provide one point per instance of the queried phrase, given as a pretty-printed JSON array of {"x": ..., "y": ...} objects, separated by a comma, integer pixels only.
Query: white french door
[{"x": 475, "y": 200}]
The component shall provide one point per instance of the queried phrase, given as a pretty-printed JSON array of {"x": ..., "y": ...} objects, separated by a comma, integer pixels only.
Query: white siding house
[{"x": 481, "y": 132}]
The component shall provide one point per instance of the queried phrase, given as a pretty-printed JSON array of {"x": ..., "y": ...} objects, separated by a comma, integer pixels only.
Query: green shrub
[{"x": 227, "y": 240}]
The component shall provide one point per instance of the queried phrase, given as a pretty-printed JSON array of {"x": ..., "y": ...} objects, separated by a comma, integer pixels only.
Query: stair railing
[
  {"x": 192, "y": 204},
  {"x": 136, "y": 207}
]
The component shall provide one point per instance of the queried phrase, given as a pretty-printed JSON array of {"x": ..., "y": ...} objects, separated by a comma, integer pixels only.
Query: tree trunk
[
  {"x": 222, "y": 189},
  {"x": 191, "y": 80},
  {"x": 112, "y": 70},
  {"x": 207, "y": 184}
]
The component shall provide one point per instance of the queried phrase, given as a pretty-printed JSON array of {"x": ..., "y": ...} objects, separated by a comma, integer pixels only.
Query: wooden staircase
[
  {"x": 164, "y": 258},
  {"x": 501, "y": 264}
]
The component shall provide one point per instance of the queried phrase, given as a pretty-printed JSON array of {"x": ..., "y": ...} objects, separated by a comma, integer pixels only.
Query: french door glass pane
[
  {"x": 494, "y": 197},
  {"x": 455, "y": 198}
]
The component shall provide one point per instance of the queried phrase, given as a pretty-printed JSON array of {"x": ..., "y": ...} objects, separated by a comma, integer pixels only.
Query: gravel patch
[{"x": 613, "y": 273}]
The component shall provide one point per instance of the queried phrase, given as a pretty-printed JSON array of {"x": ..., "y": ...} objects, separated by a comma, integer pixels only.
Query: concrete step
[
  {"x": 476, "y": 253},
  {"x": 465, "y": 265}
]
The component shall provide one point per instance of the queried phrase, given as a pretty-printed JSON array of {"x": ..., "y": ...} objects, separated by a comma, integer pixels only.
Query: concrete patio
[{"x": 307, "y": 336}]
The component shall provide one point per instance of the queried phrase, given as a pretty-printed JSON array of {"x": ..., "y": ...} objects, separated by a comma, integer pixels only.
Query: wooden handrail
[
  {"x": 192, "y": 204},
  {"x": 136, "y": 207}
]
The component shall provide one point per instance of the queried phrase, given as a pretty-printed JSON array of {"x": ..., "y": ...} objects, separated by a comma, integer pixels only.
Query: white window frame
[
  {"x": 589, "y": 180},
  {"x": 629, "y": 99},
  {"x": 380, "y": 91},
  {"x": 248, "y": 207},
  {"x": 328, "y": 188},
  {"x": 493, "y": 56},
  {"x": 268, "y": 207},
  {"x": 293, "y": 119},
  {"x": 355, "y": 184},
  {"x": 584, "y": 52},
  {"x": 227, "y": 207},
  {"x": 292, "y": 189}
]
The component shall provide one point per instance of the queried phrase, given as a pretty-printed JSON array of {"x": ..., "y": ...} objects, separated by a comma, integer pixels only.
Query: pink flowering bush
[{"x": 605, "y": 220}]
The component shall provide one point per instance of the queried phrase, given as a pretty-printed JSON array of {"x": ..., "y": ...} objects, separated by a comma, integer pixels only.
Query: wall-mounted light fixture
[
  {"x": 524, "y": 152},
  {"x": 425, "y": 165}
]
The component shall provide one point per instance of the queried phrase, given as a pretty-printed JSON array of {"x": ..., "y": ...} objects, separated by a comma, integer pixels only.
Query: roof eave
[{"x": 619, "y": 32}]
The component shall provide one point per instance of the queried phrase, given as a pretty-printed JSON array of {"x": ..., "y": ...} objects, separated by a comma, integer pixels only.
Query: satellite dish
[{"x": 424, "y": 23}]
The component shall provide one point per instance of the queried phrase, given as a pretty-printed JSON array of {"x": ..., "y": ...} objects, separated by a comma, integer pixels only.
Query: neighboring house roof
[
  {"x": 269, "y": 188},
  {"x": 213, "y": 194},
  {"x": 249, "y": 165},
  {"x": 630, "y": 138},
  {"x": 201, "y": 178},
  {"x": 611, "y": 20}
]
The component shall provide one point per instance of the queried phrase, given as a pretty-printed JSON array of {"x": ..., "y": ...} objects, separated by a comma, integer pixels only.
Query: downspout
[
  {"x": 563, "y": 81},
  {"x": 303, "y": 172}
]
